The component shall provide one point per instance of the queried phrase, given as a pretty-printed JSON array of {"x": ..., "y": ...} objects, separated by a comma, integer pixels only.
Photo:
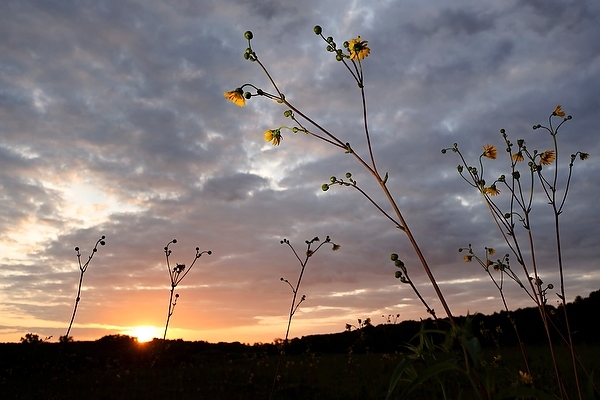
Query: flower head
[
  {"x": 236, "y": 97},
  {"x": 274, "y": 136},
  {"x": 358, "y": 49},
  {"x": 518, "y": 157},
  {"x": 489, "y": 151},
  {"x": 558, "y": 111},
  {"x": 547, "y": 157},
  {"x": 526, "y": 378},
  {"x": 468, "y": 257},
  {"x": 335, "y": 247},
  {"x": 492, "y": 190}
]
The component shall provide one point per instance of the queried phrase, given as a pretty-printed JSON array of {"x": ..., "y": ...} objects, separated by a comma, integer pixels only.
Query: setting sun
[{"x": 144, "y": 333}]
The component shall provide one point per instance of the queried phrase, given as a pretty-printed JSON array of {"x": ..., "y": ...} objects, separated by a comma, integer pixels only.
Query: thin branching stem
[
  {"x": 82, "y": 269},
  {"x": 295, "y": 303}
]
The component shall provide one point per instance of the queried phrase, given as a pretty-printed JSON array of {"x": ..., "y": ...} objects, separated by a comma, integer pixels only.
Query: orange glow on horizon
[{"x": 144, "y": 334}]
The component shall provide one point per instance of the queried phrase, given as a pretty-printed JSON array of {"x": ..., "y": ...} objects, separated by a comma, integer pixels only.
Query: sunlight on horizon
[{"x": 144, "y": 333}]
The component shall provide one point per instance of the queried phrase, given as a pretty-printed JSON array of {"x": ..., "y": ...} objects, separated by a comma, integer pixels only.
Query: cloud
[{"x": 113, "y": 122}]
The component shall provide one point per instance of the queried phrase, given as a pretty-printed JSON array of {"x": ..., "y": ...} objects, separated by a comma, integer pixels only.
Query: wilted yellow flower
[
  {"x": 491, "y": 251},
  {"x": 236, "y": 97},
  {"x": 489, "y": 151},
  {"x": 558, "y": 111},
  {"x": 335, "y": 247},
  {"x": 273, "y": 136},
  {"x": 518, "y": 157},
  {"x": 358, "y": 49},
  {"x": 492, "y": 190},
  {"x": 547, "y": 157},
  {"x": 526, "y": 378},
  {"x": 468, "y": 257},
  {"x": 584, "y": 156}
]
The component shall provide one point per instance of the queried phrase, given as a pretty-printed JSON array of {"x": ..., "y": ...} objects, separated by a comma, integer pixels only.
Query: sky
[{"x": 113, "y": 122}]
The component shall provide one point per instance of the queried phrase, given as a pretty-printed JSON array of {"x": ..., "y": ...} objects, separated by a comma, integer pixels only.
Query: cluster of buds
[{"x": 335, "y": 181}]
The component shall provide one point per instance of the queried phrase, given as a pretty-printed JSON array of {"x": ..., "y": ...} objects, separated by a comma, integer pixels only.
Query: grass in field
[{"x": 101, "y": 372}]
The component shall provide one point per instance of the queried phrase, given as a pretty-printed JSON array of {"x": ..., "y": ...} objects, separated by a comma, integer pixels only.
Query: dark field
[{"x": 119, "y": 368}]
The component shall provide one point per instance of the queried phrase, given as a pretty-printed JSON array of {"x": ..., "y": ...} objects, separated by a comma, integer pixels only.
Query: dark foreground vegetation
[{"x": 355, "y": 364}]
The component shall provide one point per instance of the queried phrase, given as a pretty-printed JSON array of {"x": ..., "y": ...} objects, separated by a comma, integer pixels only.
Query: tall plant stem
[
  {"x": 76, "y": 303},
  {"x": 169, "y": 312},
  {"x": 402, "y": 222}
]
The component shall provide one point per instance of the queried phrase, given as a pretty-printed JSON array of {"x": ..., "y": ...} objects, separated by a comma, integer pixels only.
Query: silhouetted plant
[
  {"x": 295, "y": 303},
  {"x": 502, "y": 267},
  {"x": 351, "y": 56},
  {"x": 520, "y": 185},
  {"x": 82, "y": 270},
  {"x": 361, "y": 324},
  {"x": 391, "y": 318},
  {"x": 176, "y": 275}
]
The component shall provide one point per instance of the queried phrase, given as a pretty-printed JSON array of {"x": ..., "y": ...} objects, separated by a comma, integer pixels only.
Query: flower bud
[
  {"x": 287, "y": 113},
  {"x": 248, "y": 35},
  {"x": 394, "y": 256},
  {"x": 348, "y": 175},
  {"x": 398, "y": 274},
  {"x": 399, "y": 263},
  {"x": 332, "y": 179},
  {"x": 325, "y": 187},
  {"x": 317, "y": 29}
]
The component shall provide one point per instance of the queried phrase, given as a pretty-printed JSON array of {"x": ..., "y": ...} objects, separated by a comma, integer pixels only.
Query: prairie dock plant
[
  {"x": 529, "y": 171},
  {"x": 176, "y": 275},
  {"x": 82, "y": 270},
  {"x": 351, "y": 55},
  {"x": 296, "y": 301}
]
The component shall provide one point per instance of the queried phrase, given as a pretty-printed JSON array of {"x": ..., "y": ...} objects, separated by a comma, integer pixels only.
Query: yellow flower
[
  {"x": 558, "y": 111},
  {"x": 584, "y": 156},
  {"x": 236, "y": 97},
  {"x": 273, "y": 136},
  {"x": 492, "y": 190},
  {"x": 526, "y": 378},
  {"x": 335, "y": 247},
  {"x": 468, "y": 257},
  {"x": 547, "y": 157},
  {"x": 358, "y": 49},
  {"x": 489, "y": 151},
  {"x": 518, "y": 157},
  {"x": 491, "y": 251}
]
